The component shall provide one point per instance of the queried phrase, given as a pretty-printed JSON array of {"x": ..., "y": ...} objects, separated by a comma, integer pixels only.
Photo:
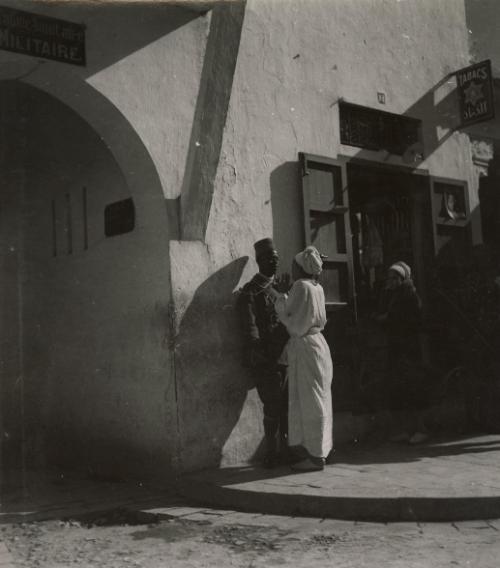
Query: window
[
  {"x": 451, "y": 213},
  {"x": 373, "y": 129},
  {"x": 450, "y": 203}
]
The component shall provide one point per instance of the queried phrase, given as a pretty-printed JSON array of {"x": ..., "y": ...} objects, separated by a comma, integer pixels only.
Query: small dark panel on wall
[
  {"x": 119, "y": 218},
  {"x": 373, "y": 129}
]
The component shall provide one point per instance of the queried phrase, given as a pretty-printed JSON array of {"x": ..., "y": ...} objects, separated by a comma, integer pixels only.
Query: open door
[
  {"x": 327, "y": 227},
  {"x": 326, "y": 224}
]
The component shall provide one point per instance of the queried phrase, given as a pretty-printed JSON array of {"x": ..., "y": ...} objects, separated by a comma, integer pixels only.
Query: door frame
[
  {"x": 342, "y": 161},
  {"x": 346, "y": 258}
]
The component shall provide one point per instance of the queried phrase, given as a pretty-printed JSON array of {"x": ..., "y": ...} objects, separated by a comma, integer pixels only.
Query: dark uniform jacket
[
  {"x": 264, "y": 335},
  {"x": 404, "y": 315}
]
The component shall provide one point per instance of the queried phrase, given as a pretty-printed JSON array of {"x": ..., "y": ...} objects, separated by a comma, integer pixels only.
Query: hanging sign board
[
  {"x": 475, "y": 93},
  {"x": 42, "y": 37}
]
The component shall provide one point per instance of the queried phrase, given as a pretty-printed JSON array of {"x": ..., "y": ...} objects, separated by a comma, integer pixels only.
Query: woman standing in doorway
[
  {"x": 407, "y": 388},
  {"x": 310, "y": 367}
]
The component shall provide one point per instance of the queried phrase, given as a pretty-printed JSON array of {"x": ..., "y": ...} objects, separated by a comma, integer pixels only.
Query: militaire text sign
[
  {"x": 475, "y": 93},
  {"x": 40, "y": 36}
]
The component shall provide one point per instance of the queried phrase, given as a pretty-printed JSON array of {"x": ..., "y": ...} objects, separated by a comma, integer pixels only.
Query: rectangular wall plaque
[{"x": 41, "y": 36}]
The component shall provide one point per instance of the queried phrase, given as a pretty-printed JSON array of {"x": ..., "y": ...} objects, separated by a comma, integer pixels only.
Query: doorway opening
[
  {"x": 390, "y": 215},
  {"x": 391, "y": 221},
  {"x": 364, "y": 216}
]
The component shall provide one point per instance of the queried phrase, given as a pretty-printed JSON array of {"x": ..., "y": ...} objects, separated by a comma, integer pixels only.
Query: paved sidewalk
[{"x": 439, "y": 481}]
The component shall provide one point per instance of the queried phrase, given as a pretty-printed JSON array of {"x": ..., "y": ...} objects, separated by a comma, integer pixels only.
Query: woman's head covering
[
  {"x": 310, "y": 261},
  {"x": 402, "y": 269}
]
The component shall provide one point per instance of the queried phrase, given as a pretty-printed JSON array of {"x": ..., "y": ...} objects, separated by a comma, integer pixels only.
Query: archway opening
[{"x": 85, "y": 296}]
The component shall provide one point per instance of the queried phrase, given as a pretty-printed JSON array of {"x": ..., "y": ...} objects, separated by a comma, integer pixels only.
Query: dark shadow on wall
[
  {"x": 212, "y": 386},
  {"x": 122, "y": 27},
  {"x": 489, "y": 197},
  {"x": 439, "y": 114},
  {"x": 33, "y": 400},
  {"x": 139, "y": 26},
  {"x": 209, "y": 120},
  {"x": 93, "y": 111},
  {"x": 286, "y": 202}
]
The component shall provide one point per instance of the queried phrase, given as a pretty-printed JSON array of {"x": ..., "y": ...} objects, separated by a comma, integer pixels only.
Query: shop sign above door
[
  {"x": 42, "y": 37},
  {"x": 475, "y": 93}
]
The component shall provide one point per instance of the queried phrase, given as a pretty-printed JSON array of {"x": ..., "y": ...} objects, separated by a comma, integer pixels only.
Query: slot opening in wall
[{"x": 119, "y": 218}]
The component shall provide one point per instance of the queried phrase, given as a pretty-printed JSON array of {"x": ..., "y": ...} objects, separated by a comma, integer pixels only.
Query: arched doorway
[{"x": 85, "y": 296}]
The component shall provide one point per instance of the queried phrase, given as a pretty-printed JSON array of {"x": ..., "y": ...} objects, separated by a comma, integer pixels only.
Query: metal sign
[
  {"x": 475, "y": 93},
  {"x": 43, "y": 37}
]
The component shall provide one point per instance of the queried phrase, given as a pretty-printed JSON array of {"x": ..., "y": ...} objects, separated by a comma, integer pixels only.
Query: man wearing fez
[{"x": 264, "y": 339}]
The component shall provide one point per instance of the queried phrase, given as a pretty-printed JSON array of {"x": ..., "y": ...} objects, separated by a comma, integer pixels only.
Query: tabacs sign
[
  {"x": 475, "y": 93},
  {"x": 41, "y": 36}
]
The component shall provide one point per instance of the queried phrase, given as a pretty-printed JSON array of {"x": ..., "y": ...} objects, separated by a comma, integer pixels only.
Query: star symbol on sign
[{"x": 473, "y": 93}]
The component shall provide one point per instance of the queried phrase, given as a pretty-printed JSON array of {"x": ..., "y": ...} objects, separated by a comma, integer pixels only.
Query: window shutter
[{"x": 326, "y": 224}]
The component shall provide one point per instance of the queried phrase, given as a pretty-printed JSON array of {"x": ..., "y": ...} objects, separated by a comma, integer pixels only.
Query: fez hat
[{"x": 264, "y": 246}]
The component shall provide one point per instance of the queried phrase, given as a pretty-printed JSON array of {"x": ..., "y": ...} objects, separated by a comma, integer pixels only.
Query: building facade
[{"x": 135, "y": 185}]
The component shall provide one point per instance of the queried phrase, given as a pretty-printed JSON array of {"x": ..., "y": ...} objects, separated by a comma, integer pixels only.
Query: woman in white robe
[{"x": 310, "y": 368}]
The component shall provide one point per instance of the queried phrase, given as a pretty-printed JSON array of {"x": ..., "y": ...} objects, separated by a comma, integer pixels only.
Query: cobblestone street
[{"x": 193, "y": 537}]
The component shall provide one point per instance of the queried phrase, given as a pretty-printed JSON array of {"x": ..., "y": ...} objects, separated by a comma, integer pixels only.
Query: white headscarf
[
  {"x": 310, "y": 261},
  {"x": 402, "y": 269}
]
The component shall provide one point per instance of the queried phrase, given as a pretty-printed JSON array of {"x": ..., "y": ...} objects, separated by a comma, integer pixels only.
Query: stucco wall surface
[
  {"x": 295, "y": 64},
  {"x": 140, "y": 83},
  {"x": 97, "y": 369},
  {"x": 220, "y": 415},
  {"x": 11, "y": 204},
  {"x": 107, "y": 378},
  {"x": 297, "y": 60},
  {"x": 97, "y": 374}
]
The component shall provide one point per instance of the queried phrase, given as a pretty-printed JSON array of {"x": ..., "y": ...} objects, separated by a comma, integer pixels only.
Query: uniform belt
[{"x": 312, "y": 331}]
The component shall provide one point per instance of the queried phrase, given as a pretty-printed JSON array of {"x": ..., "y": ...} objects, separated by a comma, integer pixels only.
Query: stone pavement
[
  {"x": 53, "y": 495},
  {"x": 5, "y": 557},
  {"x": 439, "y": 481},
  {"x": 447, "y": 480}
]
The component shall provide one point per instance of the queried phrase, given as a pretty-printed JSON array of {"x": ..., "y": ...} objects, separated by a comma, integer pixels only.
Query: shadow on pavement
[
  {"x": 461, "y": 486},
  {"x": 385, "y": 453},
  {"x": 404, "y": 453}
]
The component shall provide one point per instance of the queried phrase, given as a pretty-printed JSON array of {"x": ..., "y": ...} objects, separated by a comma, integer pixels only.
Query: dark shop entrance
[{"x": 365, "y": 217}]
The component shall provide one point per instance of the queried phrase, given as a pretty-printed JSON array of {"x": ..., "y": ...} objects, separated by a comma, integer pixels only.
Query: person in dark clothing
[
  {"x": 264, "y": 340},
  {"x": 402, "y": 320},
  {"x": 404, "y": 313}
]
